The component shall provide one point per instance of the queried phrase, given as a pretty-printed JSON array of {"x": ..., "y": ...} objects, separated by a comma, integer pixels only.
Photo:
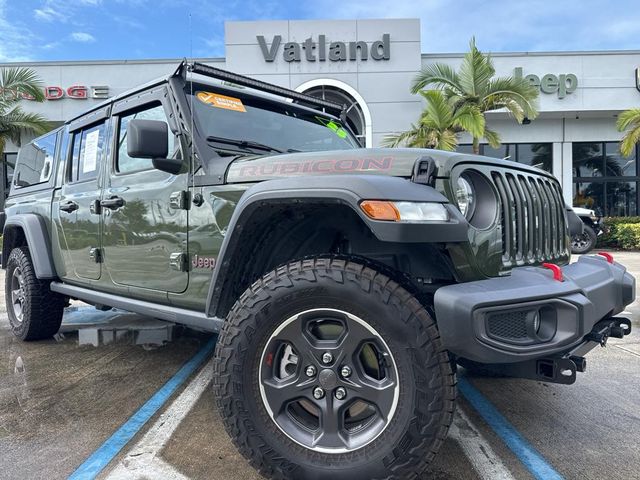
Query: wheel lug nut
[
  {"x": 340, "y": 393},
  {"x": 310, "y": 371},
  {"x": 327, "y": 358},
  {"x": 318, "y": 393},
  {"x": 345, "y": 371}
]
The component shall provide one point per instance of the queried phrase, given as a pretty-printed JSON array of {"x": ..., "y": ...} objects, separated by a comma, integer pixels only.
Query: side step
[{"x": 164, "y": 312}]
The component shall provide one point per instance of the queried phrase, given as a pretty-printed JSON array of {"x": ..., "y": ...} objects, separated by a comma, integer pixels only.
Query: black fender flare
[
  {"x": 347, "y": 190},
  {"x": 36, "y": 235}
]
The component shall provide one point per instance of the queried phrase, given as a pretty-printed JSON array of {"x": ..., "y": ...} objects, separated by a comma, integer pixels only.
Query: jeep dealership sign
[
  {"x": 562, "y": 84},
  {"x": 322, "y": 51}
]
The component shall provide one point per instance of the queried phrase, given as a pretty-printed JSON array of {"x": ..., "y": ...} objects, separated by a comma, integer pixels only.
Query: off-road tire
[
  {"x": 588, "y": 243},
  {"x": 42, "y": 309},
  {"x": 427, "y": 382}
]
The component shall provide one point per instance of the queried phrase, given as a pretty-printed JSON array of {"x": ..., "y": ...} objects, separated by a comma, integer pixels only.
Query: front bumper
[{"x": 529, "y": 315}]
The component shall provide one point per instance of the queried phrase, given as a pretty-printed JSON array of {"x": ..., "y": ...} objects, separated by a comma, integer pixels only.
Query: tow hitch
[{"x": 563, "y": 369}]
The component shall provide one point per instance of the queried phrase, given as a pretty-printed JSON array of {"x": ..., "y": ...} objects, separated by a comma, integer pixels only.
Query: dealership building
[{"x": 370, "y": 64}]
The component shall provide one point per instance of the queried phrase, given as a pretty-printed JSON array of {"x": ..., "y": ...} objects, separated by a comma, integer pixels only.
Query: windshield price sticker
[{"x": 221, "y": 101}]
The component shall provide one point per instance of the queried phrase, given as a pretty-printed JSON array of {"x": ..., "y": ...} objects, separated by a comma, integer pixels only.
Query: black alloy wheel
[{"x": 326, "y": 368}]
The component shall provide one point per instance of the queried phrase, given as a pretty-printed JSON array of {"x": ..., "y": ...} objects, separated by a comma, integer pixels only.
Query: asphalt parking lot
[{"x": 70, "y": 408}]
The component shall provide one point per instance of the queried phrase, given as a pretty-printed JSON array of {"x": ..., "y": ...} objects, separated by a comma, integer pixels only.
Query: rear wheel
[
  {"x": 324, "y": 367},
  {"x": 35, "y": 312},
  {"x": 585, "y": 242}
]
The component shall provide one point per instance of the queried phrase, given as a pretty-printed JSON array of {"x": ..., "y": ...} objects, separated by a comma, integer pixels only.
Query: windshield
[{"x": 234, "y": 121}]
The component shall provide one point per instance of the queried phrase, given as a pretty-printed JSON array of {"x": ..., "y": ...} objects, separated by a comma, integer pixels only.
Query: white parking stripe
[
  {"x": 142, "y": 461},
  {"x": 484, "y": 460}
]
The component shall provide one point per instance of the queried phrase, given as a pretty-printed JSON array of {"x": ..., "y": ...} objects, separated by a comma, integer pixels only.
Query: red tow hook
[
  {"x": 557, "y": 271},
  {"x": 606, "y": 255}
]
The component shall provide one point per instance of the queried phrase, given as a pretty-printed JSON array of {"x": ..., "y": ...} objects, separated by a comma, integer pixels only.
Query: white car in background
[{"x": 585, "y": 242}]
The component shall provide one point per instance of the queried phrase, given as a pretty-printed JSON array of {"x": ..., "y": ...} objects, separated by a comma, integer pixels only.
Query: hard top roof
[{"x": 229, "y": 81}]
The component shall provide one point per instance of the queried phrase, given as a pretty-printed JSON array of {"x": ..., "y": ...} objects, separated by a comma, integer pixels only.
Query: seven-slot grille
[{"x": 533, "y": 218}]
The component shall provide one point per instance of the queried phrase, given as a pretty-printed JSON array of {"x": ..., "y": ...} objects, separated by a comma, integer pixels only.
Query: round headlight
[{"x": 465, "y": 196}]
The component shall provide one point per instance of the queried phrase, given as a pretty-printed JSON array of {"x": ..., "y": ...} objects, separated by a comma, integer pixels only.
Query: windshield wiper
[{"x": 244, "y": 143}]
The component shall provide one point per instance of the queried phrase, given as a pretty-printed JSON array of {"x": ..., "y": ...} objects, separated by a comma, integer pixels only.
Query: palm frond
[
  {"x": 17, "y": 120},
  {"x": 628, "y": 118},
  {"x": 629, "y": 141},
  {"x": 14, "y": 81},
  {"x": 438, "y": 75},
  {"x": 492, "y": 137},
  {"x": 476, "y": 71}
]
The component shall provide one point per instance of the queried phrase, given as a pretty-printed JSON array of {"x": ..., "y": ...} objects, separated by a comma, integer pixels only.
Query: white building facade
[{"x": 370, "y": 65}]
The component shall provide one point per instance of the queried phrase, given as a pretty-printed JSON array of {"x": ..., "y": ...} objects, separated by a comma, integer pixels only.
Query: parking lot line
[
  {"x": 143, "y": 458},
  {"x": 477, "y": 449},
  {"x": 99, "y": 459},
  {"x": 526, "y": 453}
]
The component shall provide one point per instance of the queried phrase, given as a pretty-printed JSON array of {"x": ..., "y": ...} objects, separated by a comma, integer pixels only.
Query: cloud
[
  {"x": 17, "y": 41},
  {"x": 82, "y": 37}
]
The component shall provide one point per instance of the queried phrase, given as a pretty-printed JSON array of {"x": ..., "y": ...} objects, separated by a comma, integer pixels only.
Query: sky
[{"x": 41, "y": 30}]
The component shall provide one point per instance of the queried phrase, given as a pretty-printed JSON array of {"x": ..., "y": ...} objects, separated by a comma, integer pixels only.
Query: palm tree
[
  {"x": 439, "y": 124},
  {"x": 629, "y": 122},
  {"x": 475, "y": 85},
  {"x": 16, "y": 84}
]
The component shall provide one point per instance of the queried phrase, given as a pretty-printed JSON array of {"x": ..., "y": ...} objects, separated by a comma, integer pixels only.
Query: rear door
[
  {"x": 77, "y": 210},
  {"x": 145, "y": 231}
]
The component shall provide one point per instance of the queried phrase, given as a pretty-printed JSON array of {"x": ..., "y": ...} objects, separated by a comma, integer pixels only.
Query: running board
[{"x": 164, "y": 312}]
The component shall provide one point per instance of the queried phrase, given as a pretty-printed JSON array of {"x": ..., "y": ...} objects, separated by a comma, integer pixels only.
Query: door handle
[
  {"x": 69, "y": 207},
  {"x": 112, "y": 202}
]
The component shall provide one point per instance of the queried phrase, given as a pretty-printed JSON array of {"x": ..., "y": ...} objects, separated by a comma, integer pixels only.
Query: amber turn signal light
[{"x": 381, "y": 210}]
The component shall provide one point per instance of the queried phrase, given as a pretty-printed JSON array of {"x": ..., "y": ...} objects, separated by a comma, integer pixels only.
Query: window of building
[
  {"x": 127, "y": 164},
  {"x": 604, "y": 180},
  {"x": 355, "y": 116},
  {"x": 538, "y": 155},
  {"x": 87, "y": 152},
  {"x": 35, "y": 161}
]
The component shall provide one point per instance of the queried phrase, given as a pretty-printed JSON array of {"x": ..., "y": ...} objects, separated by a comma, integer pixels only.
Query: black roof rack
[{"x": 202, "y": 69}]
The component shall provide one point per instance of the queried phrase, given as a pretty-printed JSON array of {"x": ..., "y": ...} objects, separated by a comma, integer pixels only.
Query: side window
[
  {"x": 35, "y": 161},
  {"x": 88, "y": 145},
  {"x": 127, "y": 164}
]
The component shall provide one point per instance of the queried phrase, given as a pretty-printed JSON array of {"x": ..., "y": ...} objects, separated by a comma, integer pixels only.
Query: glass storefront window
[
  {"x": 538, "y": 155},
  {"x": 621, "y": 199},
  {"x": 588, "y": 159},
  {"x": 604, "y": 180},
  {"x": 615, "y": 164},
  {"x": 589, "y": 195}
]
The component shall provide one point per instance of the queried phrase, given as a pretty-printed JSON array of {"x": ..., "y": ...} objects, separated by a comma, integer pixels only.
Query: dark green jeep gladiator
[{"x": 345, "y": 283}]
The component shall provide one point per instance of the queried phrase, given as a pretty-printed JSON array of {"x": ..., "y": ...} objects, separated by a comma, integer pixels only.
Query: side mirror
[
  {"x": 150, "y": 139},
  {"x": 147, "y": 139}
]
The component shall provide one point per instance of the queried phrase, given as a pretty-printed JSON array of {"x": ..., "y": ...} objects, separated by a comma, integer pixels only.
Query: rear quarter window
[{"x": 35, "y": 161}]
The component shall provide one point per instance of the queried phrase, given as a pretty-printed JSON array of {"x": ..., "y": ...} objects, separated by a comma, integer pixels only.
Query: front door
[
  {"x": 76, "y": 208},
  {"x": 144, "y": 225}
]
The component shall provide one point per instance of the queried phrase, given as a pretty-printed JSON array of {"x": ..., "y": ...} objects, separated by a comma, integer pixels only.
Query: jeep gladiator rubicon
[{"x": 345, "y": 283}]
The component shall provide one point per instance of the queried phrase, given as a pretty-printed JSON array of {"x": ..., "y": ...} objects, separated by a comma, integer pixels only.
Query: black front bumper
[{"x": 529, "y": 316}]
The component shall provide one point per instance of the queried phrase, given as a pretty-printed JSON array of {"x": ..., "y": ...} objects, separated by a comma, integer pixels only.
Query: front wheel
[
  {"x": 327, "y": 368},
  {"x": 584, "y": 243}
]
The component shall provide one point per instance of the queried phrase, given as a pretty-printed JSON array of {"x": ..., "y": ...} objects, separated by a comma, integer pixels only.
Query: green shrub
[{"x": 621, "y": 232}]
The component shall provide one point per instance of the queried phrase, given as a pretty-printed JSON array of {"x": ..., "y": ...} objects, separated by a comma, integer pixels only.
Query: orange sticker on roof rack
[{"x": 221, "y": 101}]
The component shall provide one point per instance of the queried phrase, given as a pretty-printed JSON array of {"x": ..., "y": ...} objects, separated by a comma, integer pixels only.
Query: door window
[
  {"x": 88, "y": 145},
  {"x": 35, "y": 161},
  {"x": 127, "y": 164}
]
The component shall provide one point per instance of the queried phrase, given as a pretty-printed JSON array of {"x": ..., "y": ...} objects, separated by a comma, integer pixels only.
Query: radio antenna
[{"x": 192, "y": 160}]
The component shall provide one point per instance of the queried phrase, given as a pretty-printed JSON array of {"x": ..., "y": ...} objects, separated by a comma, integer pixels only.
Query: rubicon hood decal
[{"x": 394, "y": 162}]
